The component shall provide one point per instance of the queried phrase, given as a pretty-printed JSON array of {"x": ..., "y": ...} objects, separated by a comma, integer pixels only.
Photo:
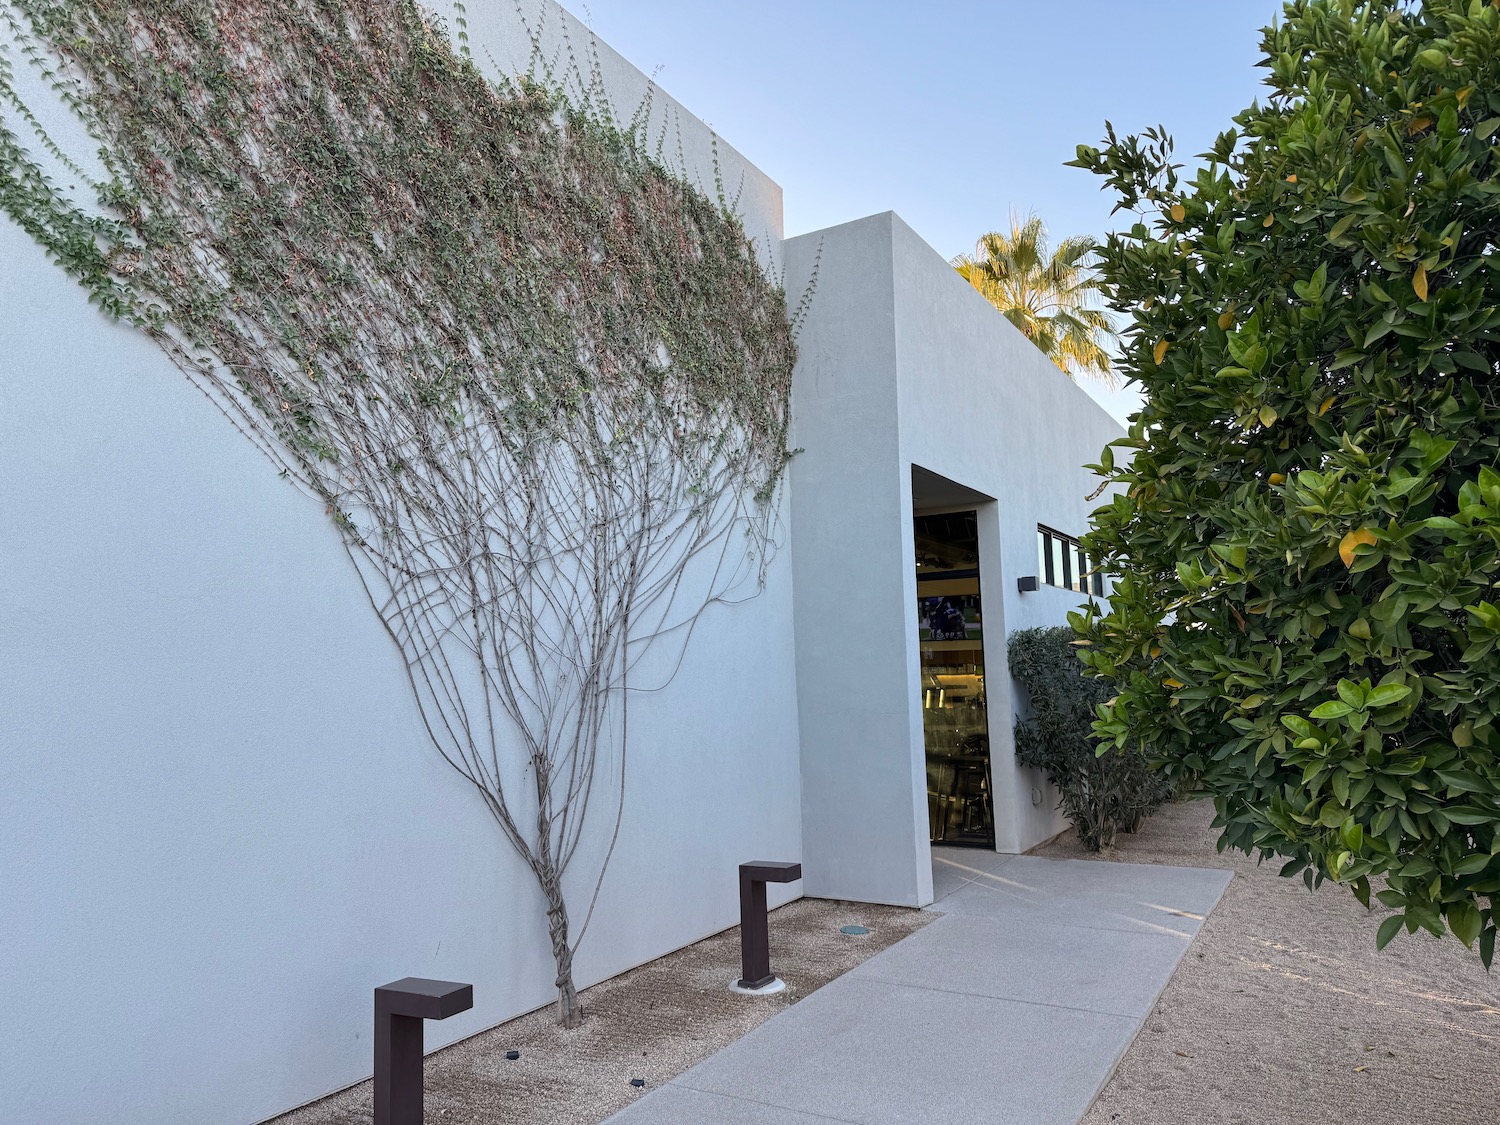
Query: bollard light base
[{"x": 738, "y": 985}]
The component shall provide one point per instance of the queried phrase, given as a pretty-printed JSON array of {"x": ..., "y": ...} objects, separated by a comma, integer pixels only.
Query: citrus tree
[{"x": 1306, "y": 612}]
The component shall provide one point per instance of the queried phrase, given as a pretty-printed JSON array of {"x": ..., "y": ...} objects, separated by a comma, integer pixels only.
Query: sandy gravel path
[{"x": 1283, "y": 1012}]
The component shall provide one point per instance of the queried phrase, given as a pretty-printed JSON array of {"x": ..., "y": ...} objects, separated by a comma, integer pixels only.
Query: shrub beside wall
[{"x": 1101, "y": 796}]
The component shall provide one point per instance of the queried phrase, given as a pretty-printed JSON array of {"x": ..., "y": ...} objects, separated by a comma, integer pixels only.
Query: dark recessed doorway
[{"x": 955, "y": 718}]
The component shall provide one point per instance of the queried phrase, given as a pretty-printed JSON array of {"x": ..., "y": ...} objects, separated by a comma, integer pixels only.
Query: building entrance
[{"x": 955, "y": 719}]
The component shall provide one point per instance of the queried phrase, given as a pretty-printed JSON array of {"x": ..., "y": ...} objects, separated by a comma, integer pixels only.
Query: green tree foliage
[
  {"x": 1050, "y": 295},
  {"x": 1101, "y": 795},
  {"x": 1306, "y": 615}
]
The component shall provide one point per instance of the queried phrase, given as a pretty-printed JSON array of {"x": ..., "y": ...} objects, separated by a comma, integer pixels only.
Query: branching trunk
[{"x": 569, "y": 1010}]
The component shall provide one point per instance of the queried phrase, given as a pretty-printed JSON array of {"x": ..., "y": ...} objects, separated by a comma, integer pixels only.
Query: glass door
[{"x": 955, "y": 720}]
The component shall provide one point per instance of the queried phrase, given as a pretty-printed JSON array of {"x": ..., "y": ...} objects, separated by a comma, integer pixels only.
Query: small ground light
[
  {"x": 637, "y": 1081},
  {"x": 854, "y": 929},
  {"x": 512, "y": 1055},
  {"x": 400, "y": 1008},
  {"x": 756, "y": 978}
]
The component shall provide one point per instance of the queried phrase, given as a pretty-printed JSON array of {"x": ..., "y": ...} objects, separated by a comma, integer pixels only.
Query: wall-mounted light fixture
[{"x": 1026, "y": 585}]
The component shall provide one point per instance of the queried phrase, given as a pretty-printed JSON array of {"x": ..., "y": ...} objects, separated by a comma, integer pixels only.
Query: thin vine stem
[{"x": 537, "y": 379}]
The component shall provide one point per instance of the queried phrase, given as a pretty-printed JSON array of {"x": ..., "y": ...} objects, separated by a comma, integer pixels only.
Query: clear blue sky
[{"x": 949, "y": 113}]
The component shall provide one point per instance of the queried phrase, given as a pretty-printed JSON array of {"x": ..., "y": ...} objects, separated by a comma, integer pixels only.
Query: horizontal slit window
[{"x": 1062, "y": 562}]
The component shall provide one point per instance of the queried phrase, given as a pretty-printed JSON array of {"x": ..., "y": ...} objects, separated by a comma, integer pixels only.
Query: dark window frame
[{"x": 1077, "y": 575}]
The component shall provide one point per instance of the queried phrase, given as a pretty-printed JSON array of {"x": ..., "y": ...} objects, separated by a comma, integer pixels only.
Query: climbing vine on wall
[{"x": 539, "y": 381}]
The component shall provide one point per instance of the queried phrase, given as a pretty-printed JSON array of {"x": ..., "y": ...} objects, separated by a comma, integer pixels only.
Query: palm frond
[{"x": 1052, "y": 296}]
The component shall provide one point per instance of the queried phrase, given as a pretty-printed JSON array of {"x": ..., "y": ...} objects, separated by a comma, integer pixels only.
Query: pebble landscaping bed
[{"x": 641, "y": 1028}]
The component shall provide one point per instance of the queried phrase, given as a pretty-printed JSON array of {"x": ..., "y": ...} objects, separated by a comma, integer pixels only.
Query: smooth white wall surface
[
  {"x": 221, "y": 824},
  {"x": 220, "y": 821},
  {"x": 903, "y": 364},
  {"x": 851, "y": 532},
  {"x": 981, "y": 405}
]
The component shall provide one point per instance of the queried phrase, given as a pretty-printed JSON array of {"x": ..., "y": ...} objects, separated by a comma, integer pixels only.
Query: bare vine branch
[{"x": 538, "y": 380}]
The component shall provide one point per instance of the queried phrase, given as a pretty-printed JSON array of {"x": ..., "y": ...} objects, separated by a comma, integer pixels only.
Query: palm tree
[{"x": 1051, "y": 298}]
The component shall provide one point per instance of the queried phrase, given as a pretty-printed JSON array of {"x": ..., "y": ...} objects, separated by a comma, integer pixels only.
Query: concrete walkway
[{"x": 1014, "y": 1007}]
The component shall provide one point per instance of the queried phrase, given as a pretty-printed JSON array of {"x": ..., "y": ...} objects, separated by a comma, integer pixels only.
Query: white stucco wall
[
  {"x": 903, "y": 364},
  {"x": 863, "y": 801},
  {"x": 221, "y": 824}
]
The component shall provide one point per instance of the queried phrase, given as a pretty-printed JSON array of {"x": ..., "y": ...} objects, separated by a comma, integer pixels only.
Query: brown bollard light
[
  {"x": 400, "y": 1008},
  {"x": 755, "y": 928}
]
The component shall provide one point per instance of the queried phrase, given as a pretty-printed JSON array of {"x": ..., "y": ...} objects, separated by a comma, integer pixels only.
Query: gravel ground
[
  {"x": 1283, "y": 1011},
  {"x": 653, "y": 1023}
]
